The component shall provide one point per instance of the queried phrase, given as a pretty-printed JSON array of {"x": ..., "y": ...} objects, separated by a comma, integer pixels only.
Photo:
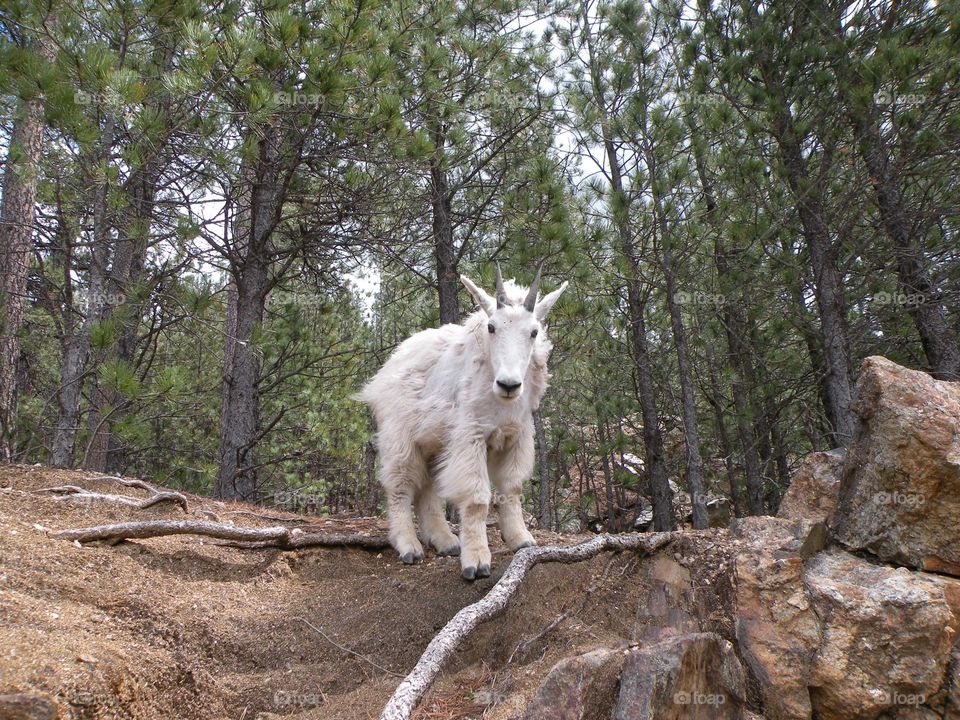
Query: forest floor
[{"x": 186, "y": 627}]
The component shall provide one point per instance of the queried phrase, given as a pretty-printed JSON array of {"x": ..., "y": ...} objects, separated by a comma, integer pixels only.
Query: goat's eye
[
  {"x": 533, "y": 333},
  {"x": 491, "y": 328}
]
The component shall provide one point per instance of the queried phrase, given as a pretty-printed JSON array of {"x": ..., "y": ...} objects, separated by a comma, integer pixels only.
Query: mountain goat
[{"x": 453, "y": 411}]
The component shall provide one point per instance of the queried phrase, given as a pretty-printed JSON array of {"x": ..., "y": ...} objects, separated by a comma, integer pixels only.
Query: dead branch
[
  {"x": 275, "y": 518},
  {"x": 409, "y": 693},
  {"x": 273, "y": 537},
  {"x": 79, "y": 494}
]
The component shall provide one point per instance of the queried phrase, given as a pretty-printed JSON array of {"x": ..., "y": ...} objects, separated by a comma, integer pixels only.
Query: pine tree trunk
[
  {"x": 76, "y": 344},
  {"x": 827, "y": 280},
  {"x": 691, "y": 434},
  {"x": 543, "y": 472},
  {"x": 76, "y": 353},
  {"x": 240, "y": 410},
  {"x": 924, "y": 302},
  {"x": 726, "y": 446},
  {"x": 126, "y": 271},
  {"x": 440, "y": 202},
  {"x": 16, "y": 232},
  {"x": 661, "y": 495},
  {"x": 737, "y": 352},
  {"x": 694, "y": 466},
  {"x": 604, "y": 437}
]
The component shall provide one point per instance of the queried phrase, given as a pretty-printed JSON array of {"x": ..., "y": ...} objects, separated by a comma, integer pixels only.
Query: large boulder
[
  {"x": 776, "y": 629},
  {"x": 582, "y": 687},
  {"x": 886, "y": 636},
  {"x": 695, "y": 676},
  {"x": 814, "y": 487},
  {"x": 900, "y": 492}
]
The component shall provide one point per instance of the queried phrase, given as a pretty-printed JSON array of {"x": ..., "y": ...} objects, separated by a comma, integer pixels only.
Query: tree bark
[
  {"x": 737, "y": 352},
  {"x": 694, "y": 465},
  {"x": 240, "y": 411},
  {"x": 544, "y": 513},
  {"x": 726, "y": 445},
  {"x": 691, "y": 434},
  {"x": 440, "y": 202},
  {"x": 76, "y": 344},
  {"x": 612, "y": 524},
  {"x": 126, "y": 272},
  {"x": 828, "y": 283},
  {"x": 924, "y": 301},
  {"x": 16, "y": 233},
  {"x": 827, "y": 279},
  {"x": 661, "y": 495}
]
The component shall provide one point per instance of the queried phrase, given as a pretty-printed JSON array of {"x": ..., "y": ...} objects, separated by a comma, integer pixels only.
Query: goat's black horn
[
  {"x": 531, "y": 299},
  {"x": 501, "y": 293}
]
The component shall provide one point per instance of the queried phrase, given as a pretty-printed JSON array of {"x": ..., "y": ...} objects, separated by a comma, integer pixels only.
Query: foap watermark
[
  {"x": 894, "y": 697},
  {"x": 899, "y": 298},
  {"x": 300, "y": 300},
  {"x": 85, "y": 699},
  {"x": 698, "y": 100},
  {"x": 682, "y": 297},
  {"x": 100, "y": 299},
  {"x": 297, "y": 699},
  {"x": 108, "y": 97},
  {"x": 298, "y": 99},
  {"x": 902, "y": 499},
  {"x": 886, "y": 98},
  {"x": 697, "y": 698}
]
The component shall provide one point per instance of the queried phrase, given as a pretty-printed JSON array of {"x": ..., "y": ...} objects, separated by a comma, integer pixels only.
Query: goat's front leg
[
  {"x": 463, "y": 479},
  {"x": 509, "y": 466}
]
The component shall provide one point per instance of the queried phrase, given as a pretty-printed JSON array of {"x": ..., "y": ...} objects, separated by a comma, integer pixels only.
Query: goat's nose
[{"x": 508, "y": 386}]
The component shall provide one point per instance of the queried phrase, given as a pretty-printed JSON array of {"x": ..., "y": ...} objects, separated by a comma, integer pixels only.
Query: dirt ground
[{"x": 184, "y": 627}]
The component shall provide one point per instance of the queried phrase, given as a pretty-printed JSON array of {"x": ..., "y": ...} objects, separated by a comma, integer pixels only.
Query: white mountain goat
[{"x": 453, "y": 410}]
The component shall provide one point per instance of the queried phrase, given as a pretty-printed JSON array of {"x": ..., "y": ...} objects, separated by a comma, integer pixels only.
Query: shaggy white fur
[{"x": 453, "y": 410}]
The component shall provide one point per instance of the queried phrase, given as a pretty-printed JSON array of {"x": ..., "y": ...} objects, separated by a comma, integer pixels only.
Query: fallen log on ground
[{"x": 271, "y": 537}]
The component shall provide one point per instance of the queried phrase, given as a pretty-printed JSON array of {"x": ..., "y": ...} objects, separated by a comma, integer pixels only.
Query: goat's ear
[
  {"x": 545, "y": 305},
  {"x": 486, "y": 302}
]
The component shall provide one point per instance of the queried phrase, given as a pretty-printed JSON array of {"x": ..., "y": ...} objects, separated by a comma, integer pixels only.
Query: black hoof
[
  {"x": 528, "y": 543},
  {"x": 410, "y": 558},
  {"x": 453, "y": 550},
  {"x": 483, "y": 571},
  {"x": 469, "y": 573}
]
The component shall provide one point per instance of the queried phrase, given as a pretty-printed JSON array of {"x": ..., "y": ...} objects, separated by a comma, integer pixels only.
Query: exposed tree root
[
  {"x": 271, "y": 537},
  {"x": 79, "y": 494},
  {"x": 411, "y": 691}
]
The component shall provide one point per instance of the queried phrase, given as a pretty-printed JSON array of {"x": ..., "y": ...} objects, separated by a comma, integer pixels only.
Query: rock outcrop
[
  {"x": 900, "y": 493},
  {"x": 886, "y": 636},
  {"x": 696, "y": 675},
  {"x": 814, "y": 487},
  {"x": 579, "y": 687},
  {"x": 843, "y": 606},
  {"x": 776, "y": 629}
]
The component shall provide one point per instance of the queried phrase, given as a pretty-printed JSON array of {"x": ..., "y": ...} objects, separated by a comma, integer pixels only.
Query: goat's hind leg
[
  {"x": 403, "y": 536},
  {"x": 402, "y": 480},
  {"x": 433, "y": 524}
]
